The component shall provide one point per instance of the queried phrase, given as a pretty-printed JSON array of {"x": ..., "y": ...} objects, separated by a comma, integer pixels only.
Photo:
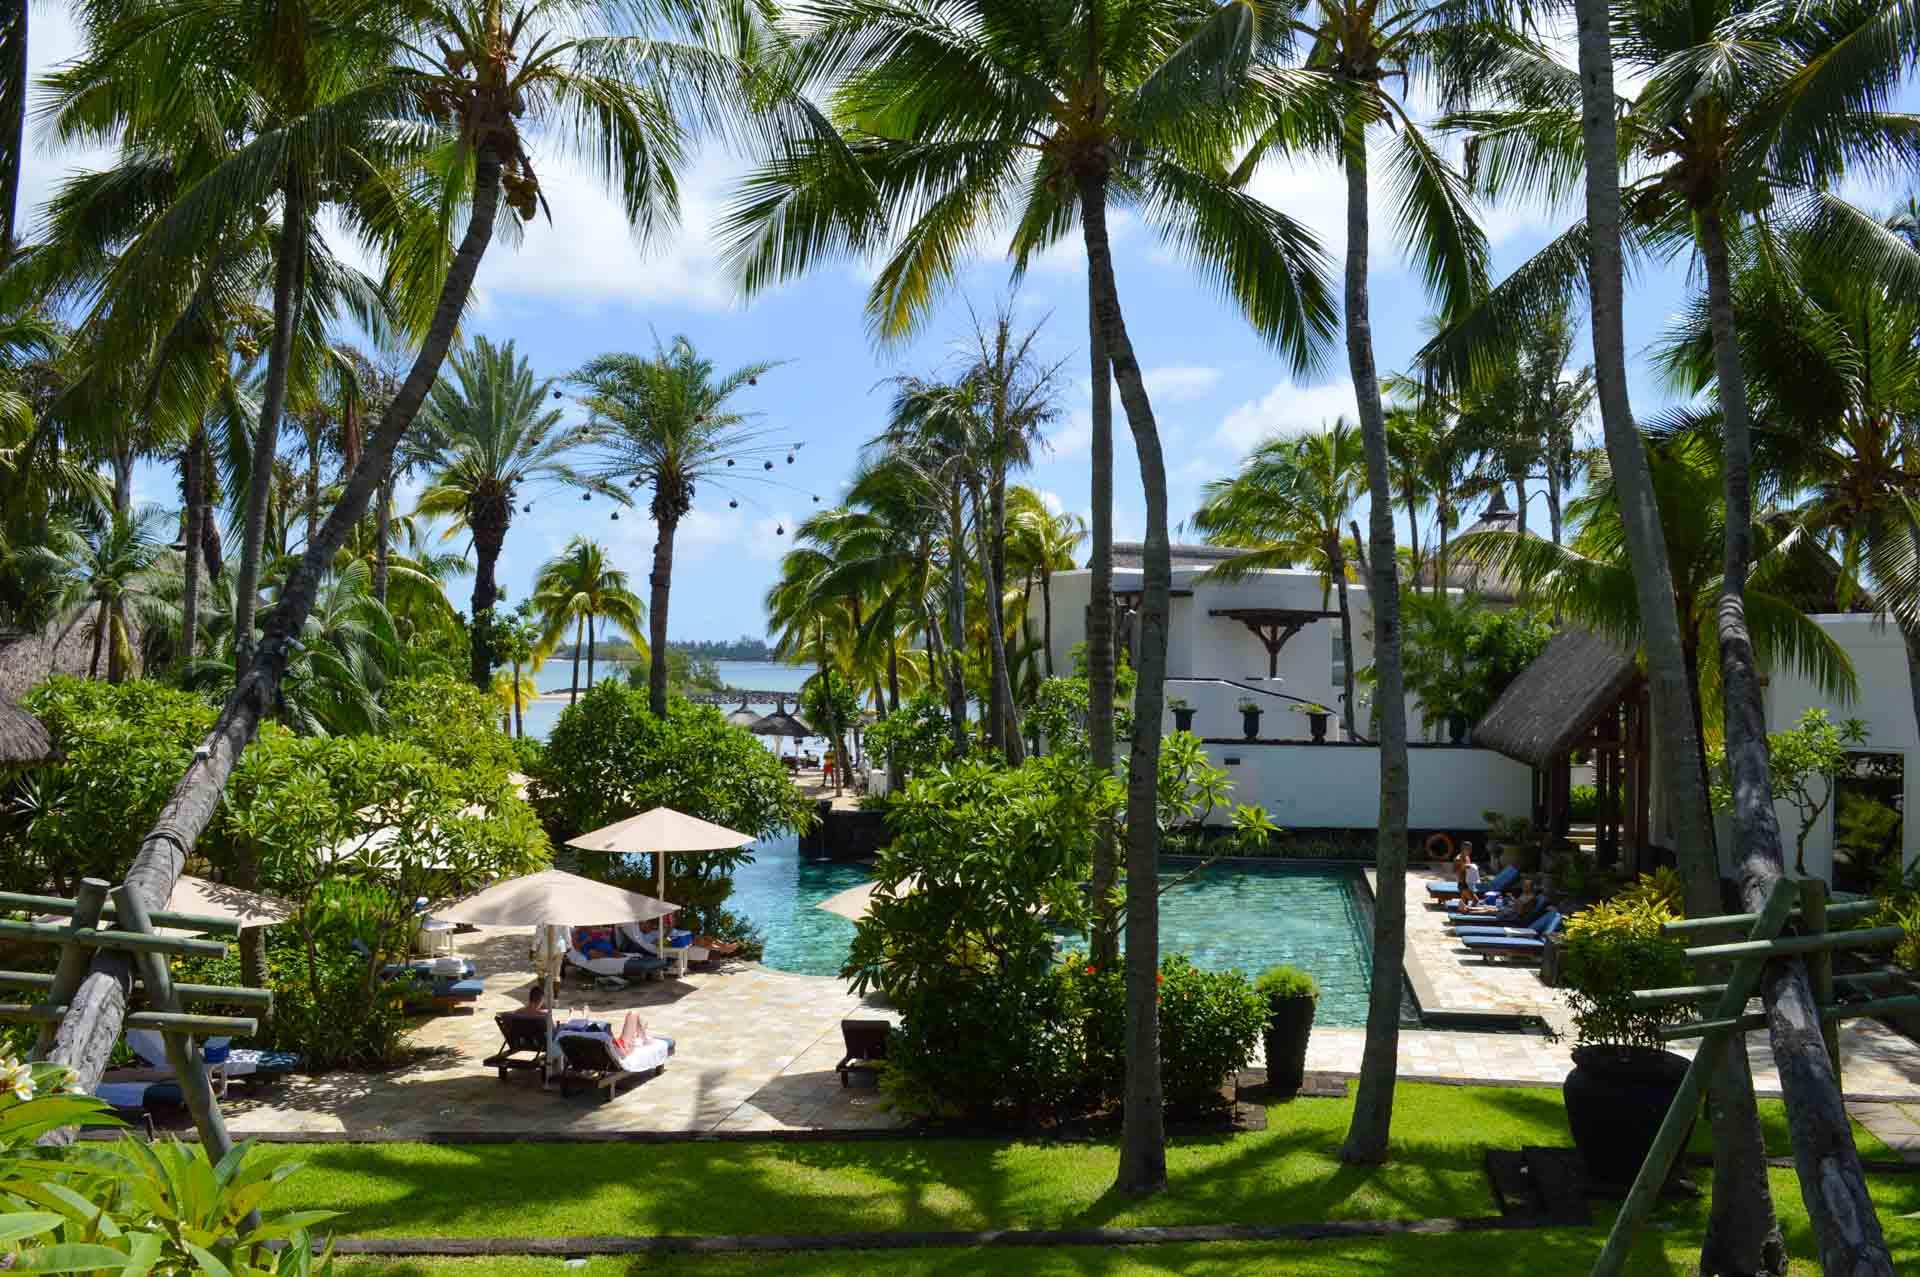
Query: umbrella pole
[{"x": 546, "y": 978}]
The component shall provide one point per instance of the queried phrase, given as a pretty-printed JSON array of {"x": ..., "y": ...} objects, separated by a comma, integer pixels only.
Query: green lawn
[{"x": 1286, "y": 1174}]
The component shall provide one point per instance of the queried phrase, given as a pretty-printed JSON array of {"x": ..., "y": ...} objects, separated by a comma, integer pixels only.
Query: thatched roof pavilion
[
  {"x": 24, "y": 741},
  {"x": 1557, "y": 699}
]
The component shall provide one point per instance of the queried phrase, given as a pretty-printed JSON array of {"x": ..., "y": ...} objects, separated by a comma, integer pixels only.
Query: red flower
[
  {"x": 1160, "y": 979},
  {"x": 1090, "y": 968}
]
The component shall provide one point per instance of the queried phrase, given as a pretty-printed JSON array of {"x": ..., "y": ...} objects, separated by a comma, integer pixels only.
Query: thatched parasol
[
  {"x": 743, "y": 717},
  {"x": 24, "y": 741},
  {"x": 780, "y": 723}
]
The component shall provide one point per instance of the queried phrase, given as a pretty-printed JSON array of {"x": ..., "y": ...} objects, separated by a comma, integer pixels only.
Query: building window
[{"x": 1867, "y": 823}]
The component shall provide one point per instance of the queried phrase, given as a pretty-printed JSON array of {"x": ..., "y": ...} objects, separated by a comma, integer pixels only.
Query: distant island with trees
[{"x": 744, "y": 648}]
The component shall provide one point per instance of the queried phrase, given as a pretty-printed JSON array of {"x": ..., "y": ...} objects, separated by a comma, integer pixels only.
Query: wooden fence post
[{"x": 90, "y": 900}]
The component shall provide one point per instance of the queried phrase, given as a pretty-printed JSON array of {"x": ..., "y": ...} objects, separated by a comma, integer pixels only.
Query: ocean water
[{"x": 557, "y": 676}]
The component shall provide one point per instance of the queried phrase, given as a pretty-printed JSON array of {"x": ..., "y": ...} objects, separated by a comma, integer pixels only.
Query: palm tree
[
  {"x": 502, "y": 440},
  {"x": 1288, "y": 507},
  {"x": 810, "y": 616},
  {"x": 104, "y": 567},
  {"x": 1358, "y": 54},
  {"x": 577, "y": 587},
  {"x": 1043, "y": 543},
  {"x": 948, "y": 118},
  {"x": 665, "y": 422},
  {"x": 1721, "y": 156},
  {"x": 542, "y": 67}
]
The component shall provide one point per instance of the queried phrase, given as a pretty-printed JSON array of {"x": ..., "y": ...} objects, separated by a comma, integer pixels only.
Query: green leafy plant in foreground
[{"x": 133, "y": 1208}]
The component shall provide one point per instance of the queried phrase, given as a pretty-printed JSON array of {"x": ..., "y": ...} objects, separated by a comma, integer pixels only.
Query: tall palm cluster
[{"x": 202, "y": 305}]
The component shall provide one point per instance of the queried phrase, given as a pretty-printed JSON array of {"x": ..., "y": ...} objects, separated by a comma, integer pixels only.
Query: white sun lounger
[{"x": 680, "y": 955}]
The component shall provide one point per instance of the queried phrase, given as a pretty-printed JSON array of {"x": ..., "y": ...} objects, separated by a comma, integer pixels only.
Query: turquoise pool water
[{"x": 1241, "y": 916}]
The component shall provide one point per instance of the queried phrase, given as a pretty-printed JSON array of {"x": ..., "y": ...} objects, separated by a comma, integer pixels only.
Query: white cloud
[
  {"x": 1051, "y": 500},
  {"x": 1180, "y": 384},
  {"x": 1285, "y": 410}
]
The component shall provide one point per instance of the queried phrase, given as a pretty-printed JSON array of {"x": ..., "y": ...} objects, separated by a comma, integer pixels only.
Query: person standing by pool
[{"x": 1469, "y": 875}]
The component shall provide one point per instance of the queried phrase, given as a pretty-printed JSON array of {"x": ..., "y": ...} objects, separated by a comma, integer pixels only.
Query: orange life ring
[{"x": 1444, "y": 851}]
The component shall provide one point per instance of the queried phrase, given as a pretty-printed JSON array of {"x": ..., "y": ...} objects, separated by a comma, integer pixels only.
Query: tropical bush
[
  {"x": 123, "y": 747},
  {"x": 132, "y": 1207},
  {"x": 453, "y": 718},
  {"x": 914, "y": 739},
  {"x": 1612, "y": 949},
  {"x": 1460, "y": 655},
  {"x": 1583, "y": 804}
]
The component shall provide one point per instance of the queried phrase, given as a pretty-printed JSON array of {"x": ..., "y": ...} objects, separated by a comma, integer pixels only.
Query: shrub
[
  {"x": 1583, "y": 804},
  {"x": 454, "y": 719},
  {"x": 1661, "y": 890},
  {"x": 916, "y": 738},
  {"x": 1209, "y": 1024},
  {"x": 1276, "y": 983},
  {"x": 325, "y": 1009},
  {"x": 1612, "y": 949},
  {"x": 987, "y": 1045}
]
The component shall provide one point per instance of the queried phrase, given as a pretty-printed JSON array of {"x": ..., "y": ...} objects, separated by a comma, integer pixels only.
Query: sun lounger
[
  {"x": 866, "y": 1043},
  {"x": 624, "y": 966},
  {"x": 520, "y": 1032},
  {"x": 592, "y": 1057},
  {"x": 1458, "y": 918},
  {"x": 680, "y": 948},
  {"x": 1528, "y": 945},
  {"x": 1499, "y": 882},
  {"x": 142, "y": 1097},
  {"x": 225, "y": 1062}
]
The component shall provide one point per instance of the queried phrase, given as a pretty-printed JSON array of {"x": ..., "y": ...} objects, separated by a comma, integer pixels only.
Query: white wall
[
  {"x": 1884, "y": 704},
  {"x": 1338, "y": 786}
]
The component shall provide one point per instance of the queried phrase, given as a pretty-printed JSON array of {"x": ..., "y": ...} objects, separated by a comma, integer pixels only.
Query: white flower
[{"x": 17, "y": 1078}]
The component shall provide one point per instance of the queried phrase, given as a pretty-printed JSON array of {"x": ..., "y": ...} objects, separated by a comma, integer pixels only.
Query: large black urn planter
[
  {"x": 1183, "y": 718},
  {"x": 1289, "y": 1025},
  {"x": 1616, "y": 1098},
  {"x": 1250, "y": 722}
]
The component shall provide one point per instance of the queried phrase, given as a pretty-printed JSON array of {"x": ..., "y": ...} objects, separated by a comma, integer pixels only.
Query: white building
[{"x": 1273, "y": 640}]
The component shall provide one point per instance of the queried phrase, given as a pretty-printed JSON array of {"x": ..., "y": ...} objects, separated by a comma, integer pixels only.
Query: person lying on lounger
[{"x": 1515, "y": 909}]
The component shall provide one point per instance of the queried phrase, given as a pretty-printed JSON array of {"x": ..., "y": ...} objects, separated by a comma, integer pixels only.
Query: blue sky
[{"x": 582, "y": 286}]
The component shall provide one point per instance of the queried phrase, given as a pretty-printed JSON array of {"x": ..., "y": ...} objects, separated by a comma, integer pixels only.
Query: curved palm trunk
[
  {"x": 15, "y": 77},
  {"x": 519, "y": 712},
  {"x": 1832, "y": 1182},
  {"x": 195, "y": 484},
  {"x": 313, "y": 483},
  {"x": 289, "y": 288},
  {"x": 1741, "y": 1235},
  {"x": 487, "y": 518},
  {"x": 86, "y": 1036},
  {"x": 1143, "y": 1140},
  {"x": 662, "y": 583},
  {"x": 1368, "y": 1136},
  {"x": 1337, "y": 560},
  {"x": 994, "y": 558},
  {"x": 579, "y": 645}
]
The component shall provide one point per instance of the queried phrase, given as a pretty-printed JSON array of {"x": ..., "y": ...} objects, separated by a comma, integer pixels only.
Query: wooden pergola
[{"x": 1273, "y": 626}]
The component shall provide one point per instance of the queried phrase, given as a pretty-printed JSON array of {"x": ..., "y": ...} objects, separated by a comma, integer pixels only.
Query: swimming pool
[{"x": 1245, "y": 916}]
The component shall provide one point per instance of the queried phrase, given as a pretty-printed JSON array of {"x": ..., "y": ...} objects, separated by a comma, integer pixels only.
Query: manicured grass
[{"x": 1287, "y": 1174}]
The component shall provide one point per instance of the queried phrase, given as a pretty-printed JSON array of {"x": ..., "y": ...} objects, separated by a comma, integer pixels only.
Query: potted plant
[
  {"x": 1318, "y": 716},
  {"x": 1623, "y": 1080},
  {"x": 1291, "y": 995},
  {"x": 1250, "y": 719},
  {"x": 1182, "y": 713},
  {"x": 1510, "y": 839}
]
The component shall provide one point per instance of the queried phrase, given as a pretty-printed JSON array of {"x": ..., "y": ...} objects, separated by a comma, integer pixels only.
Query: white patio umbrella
[
  {"x": 855, "y": 903},
  {"x": 660, "y": 833},
  {"x": 548, "y": 899},
  {"x": 217, "y": 900}
]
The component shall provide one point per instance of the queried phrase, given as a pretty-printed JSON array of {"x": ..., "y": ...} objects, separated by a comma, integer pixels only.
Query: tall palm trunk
[
  {"x": 1367, "y": 1137},
  {"x": 1143, "y": 1140},
  {"x": 519, "y": 714},
  {"x": 1104, "y": 943},
  {"x": 957, "y": 620},
  {"x": 579, "y": 645},
  {"x": 593, "y": 639},
  {"x": 100, "y": 626},
  {"x": 15, "y": 76},
  {"x": 289, "y": 295},
  {"x": 1411, "y": 495},
  {"x": 667, "y": 523},
  {"x": 87, "y": 1034},
  {"x": 1046, "y": 618},
  {"x": 893, "y": 667},
  {"x": 1741, "y": 1234},
  {"x": 1337, "y": 561},
  {"x": 195, "y": 483},
  {"x": 1832, "y": 1182},
  {"x": 123, "y": 477},
  {"x": 313, "y": 483},
  {"x": 993, "y": 556},
  {"x": 487, "y": 517},
  {"x": 382, "y": 536}
]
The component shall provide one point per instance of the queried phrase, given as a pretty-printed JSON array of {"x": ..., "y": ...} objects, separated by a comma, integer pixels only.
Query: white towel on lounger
[{"x": 644, "y": 1057}]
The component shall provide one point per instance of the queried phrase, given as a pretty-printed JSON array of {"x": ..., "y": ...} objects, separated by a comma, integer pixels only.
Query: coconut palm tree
[
  {"x": 104, "y": 568},
  {"x": 949, "y": 120},
  {"x": 495, "y": 70},
  {"x": 811, "y": 617},
  {"x": 577, "y": 587},
  {"x": 666, "y": 423},
  {"x": 503, "y": 440},
  {"x": 1287, "y": 507}
]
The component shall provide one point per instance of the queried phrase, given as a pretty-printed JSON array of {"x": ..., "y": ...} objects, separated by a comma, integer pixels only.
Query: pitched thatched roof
[
  {"x": 1556, "y": 700},
  {"x": 23, "y": 738}
]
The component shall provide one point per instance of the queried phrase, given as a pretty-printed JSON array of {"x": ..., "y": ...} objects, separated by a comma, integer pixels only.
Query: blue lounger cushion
[
  {"x": 461, "y": 990},
  {"x": 1545, "y": 925},
  {"x": 1499, "y": 882},
  {"x": 1514, "y": 943}
]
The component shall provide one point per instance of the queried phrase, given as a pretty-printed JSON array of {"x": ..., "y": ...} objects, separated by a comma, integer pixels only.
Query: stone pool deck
[{"x": 756, "y": 1050}]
